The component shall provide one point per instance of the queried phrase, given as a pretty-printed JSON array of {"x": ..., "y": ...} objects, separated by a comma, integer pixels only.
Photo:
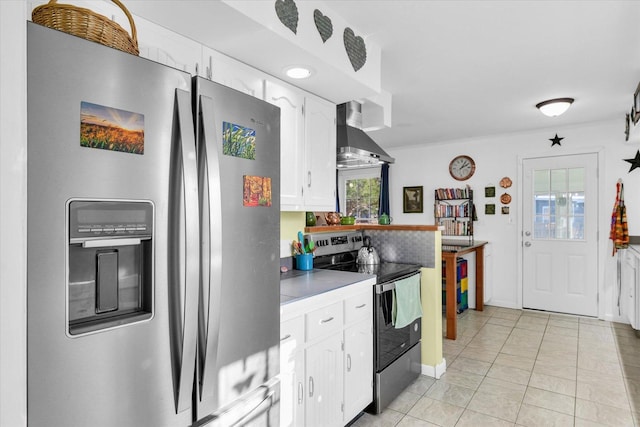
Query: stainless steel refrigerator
[{"x": 153, "y": 243}]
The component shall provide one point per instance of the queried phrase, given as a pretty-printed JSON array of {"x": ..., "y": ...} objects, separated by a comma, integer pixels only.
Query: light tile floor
[{"x": 526, "y": 368}]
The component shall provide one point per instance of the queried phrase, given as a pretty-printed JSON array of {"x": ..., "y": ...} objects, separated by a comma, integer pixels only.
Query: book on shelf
[
  {"x": 454, "y": 227},
  {"x": 444, "y": 210},
  {"x": 453, "y": 193}
]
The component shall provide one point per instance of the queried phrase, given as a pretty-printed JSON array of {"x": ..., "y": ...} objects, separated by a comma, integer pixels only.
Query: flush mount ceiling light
[
  {"x": 554, "y": 107},
  {"x": 298, "y": 72}
]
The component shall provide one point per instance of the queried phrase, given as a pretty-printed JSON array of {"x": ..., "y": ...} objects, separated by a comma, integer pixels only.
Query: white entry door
[{"x": 560, "y": 248}]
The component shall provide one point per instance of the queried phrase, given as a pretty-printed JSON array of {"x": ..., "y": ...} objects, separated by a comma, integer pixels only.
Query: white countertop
[{"x": 297, "y": 284}]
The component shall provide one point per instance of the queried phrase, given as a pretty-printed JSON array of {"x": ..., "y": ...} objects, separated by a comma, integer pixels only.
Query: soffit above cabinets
[{"x": 250, "y": 31}]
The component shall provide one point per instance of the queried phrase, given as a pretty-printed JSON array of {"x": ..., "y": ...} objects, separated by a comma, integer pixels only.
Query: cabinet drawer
[
  {"x": 324, "y": 321},
  {"x": 358, "y": 307},
  {"x": 292, "y": 330}
]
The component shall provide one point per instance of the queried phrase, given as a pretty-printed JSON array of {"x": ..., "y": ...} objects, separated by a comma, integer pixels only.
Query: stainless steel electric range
[{"x": 396, "y": 350}]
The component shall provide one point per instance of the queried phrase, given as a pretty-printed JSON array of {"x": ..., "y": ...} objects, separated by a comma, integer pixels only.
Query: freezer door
[
  {"x": 238, "y": 140},
  {"x": 84, "y": 102}
]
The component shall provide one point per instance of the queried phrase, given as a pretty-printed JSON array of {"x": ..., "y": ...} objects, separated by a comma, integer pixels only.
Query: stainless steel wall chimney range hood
[{"x": 355, "y": 147}]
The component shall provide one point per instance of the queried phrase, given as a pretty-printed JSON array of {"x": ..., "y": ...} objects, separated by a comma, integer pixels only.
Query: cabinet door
[
  {"x": 232, "y": 73},
  {"x": 292, "y": 378},
  {"x": 292, "y": 388},
  {"x": 358, "y": 377},
  {"x": 291, "y": 103},
  {"x": 324, "y": 371},
  {"x": 320, "y": 143},
  {"x": 166, "y": 47},
  {"x": 629, "y": 281}
]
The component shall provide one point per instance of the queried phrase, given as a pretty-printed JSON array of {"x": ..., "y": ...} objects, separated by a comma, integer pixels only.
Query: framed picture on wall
[{"x": 412, "y": 199}]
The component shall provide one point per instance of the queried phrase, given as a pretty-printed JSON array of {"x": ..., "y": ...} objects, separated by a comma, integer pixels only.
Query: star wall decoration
[
  {"x": 635, "y": 162},
  {"x": 556, "y": 140}
]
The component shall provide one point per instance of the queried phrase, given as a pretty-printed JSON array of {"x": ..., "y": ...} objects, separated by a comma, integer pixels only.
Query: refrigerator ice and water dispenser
[{"x": 110, "y": 270}]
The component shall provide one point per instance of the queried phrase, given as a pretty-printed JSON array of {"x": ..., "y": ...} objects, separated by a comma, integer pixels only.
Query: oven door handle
[
  {"x": 385, "y": 287},
  {"x": 389, "y": 286}
]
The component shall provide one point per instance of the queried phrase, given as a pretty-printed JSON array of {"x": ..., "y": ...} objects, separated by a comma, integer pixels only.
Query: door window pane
[{"x": 559, "y": 204}]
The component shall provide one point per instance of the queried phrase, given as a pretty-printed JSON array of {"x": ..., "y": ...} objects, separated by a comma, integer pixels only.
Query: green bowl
[{"x": 347, "y": 220}]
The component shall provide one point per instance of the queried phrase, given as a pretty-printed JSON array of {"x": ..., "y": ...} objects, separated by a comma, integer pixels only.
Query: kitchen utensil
[
  {"x": 505, "y": 182},
  {"x": 312, "y": 246},
  {"x": 347, "y": 220},
  {"x": 301, "y": 240},
  {"x": 332, "y": 218},
  {"x": 367, "y": 253},
  {"x": 384, "y": 219}
]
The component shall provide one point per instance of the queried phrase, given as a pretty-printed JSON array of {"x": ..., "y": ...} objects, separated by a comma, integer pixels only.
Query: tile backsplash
[{"x": 404, "y": 246}]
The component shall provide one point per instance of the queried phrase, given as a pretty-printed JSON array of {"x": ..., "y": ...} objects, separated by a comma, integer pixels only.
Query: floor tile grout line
[{"x": 546, "y": 334}]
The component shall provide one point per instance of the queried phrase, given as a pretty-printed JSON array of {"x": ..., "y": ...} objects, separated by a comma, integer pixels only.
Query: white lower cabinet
[
  {"x": 326, "y": 357},
  {"x": 292, "y": 377},
  {"x": 358, "y": 377},
  {"x": 324, "y": 372},
  {"x": 629, "y": 298}
]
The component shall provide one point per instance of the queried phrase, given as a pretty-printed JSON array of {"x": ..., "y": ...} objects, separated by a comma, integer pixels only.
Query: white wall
[{"x": 500, "y": 156}]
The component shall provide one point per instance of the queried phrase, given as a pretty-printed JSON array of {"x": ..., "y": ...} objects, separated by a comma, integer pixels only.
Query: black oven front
[{"x": 391, "y": 342}]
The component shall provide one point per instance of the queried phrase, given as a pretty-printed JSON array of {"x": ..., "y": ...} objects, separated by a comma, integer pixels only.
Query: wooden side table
[{"x": 450, "y": 253}]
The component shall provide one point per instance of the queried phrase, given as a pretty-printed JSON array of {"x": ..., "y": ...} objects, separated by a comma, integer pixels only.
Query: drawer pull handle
[
  {"x": 286, "y": 337},
  {"x": 310, "y": 386},
  {"x": 348, "y": 363},
  {"x": 300, "y": 392},
  {"x": 327, "y": 320},
  {"x": 361, "y": 305}
]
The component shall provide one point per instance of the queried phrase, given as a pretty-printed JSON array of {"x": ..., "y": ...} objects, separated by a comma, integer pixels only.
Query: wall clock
[{"x": 462, "y": 167}]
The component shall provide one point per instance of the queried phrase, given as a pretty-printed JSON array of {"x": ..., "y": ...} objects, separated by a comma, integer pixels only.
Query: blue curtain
[{"x": 384, "y": 190}]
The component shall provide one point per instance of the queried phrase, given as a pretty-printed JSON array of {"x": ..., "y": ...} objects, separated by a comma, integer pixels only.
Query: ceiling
[{"x": 464, "y": 69}]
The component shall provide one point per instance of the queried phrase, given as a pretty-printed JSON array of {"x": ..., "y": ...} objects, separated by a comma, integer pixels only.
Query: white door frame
[{"x": 603, "y": 231}]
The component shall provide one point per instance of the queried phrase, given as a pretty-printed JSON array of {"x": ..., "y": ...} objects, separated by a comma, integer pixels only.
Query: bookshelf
[{"x": 453, "y": 210}]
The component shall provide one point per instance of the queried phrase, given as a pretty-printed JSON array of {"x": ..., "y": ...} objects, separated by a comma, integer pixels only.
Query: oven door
[{"x": 391, "y": 343}]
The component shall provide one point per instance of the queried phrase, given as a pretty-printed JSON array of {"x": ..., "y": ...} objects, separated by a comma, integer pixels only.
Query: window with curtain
[{"x": 359, "y": 192}]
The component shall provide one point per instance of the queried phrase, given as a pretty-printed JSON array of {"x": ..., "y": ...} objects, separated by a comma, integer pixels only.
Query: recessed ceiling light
[
  {"x": 298, "y": 72},
  {"x": 554, "y": 107}
]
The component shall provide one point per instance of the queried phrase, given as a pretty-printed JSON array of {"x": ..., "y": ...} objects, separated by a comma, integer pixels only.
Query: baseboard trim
[{"x": 435, "y": 371}]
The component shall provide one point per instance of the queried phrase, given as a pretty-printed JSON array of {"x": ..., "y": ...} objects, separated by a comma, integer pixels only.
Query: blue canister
[{"x": 304, "y": 262}]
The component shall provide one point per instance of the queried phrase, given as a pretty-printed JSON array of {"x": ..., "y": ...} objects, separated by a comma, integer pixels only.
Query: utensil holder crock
[{"x": 304, "y": 262}]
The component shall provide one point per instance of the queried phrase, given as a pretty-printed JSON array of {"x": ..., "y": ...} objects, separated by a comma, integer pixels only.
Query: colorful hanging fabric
[{"x": 619, "y": 229}]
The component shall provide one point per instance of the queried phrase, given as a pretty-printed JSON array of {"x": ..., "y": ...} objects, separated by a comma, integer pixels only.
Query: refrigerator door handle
[
  {"x": 265, "y": 403},
  {"x": 211, "y": 218},
  {"x": 184, "y": 255}
]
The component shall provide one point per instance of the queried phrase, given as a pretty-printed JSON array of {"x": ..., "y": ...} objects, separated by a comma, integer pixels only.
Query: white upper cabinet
[
  {"x": 320, "y": 146},
  {"x": 292, "y": 165},
  {"x": 229, "y": 72},
  {"x": 307, "y": 148},
  {"x": 166, "y": 47}
]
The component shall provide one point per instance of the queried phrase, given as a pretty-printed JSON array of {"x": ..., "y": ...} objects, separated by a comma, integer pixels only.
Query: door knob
[
  {"x": 527, "y": 233},
  {"x": 527, "y": 244}
]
